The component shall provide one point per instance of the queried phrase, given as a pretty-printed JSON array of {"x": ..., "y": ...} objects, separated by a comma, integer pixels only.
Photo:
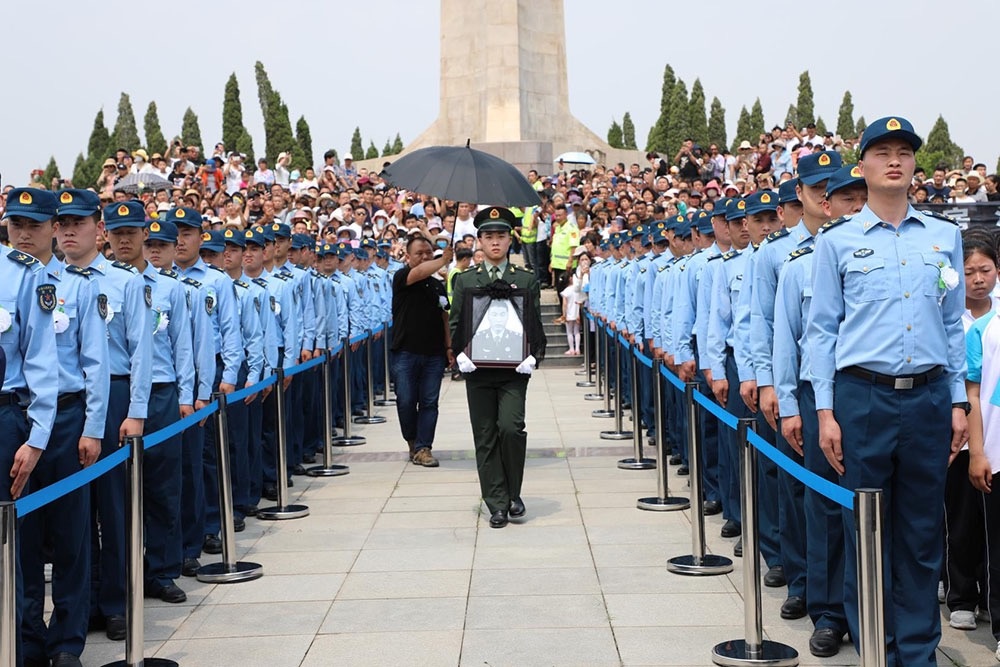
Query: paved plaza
[{"x": 396, "y": 565}]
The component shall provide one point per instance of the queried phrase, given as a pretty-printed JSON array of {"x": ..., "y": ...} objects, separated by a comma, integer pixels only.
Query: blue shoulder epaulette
[
  {"x": 170, "y": 273},
  {"x": 729, "y": 255},
  {"x": 78, "y": 271},
  {"x": 941, "y": 216},
  {"x": 282, "y": 276},
  {"x": 800, "y": 252},
  {"x": 192, "y": 282},
  {"x": 719, "y": 256},
  {"x": 213, "y": 266},
  {"x": 774, "y": 236},
  {"x": 260, "y": 282},
  {"x": 833, "y": 223},
  {"x": 125, "y": 267},
  {"x": 242, "y": 284}
]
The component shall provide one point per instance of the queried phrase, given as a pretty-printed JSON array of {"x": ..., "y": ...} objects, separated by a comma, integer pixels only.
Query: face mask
[{"x": 442, "y": 244}]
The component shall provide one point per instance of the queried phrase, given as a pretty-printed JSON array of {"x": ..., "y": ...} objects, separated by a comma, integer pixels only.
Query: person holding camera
[{"x": 233, "y": 173}]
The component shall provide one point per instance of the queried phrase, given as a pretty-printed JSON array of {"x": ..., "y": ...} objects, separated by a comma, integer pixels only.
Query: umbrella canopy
[
  {"x": 138, "y": 183},
  {"x": 462, "y": 173},
  {"x": 575, "y": 157}
]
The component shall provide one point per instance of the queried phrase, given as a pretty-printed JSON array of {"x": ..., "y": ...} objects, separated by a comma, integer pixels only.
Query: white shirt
[{"x": 463, "y": 227}]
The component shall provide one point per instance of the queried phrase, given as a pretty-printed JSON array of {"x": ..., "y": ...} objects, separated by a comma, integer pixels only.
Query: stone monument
[{"x": 504, "y": 84}]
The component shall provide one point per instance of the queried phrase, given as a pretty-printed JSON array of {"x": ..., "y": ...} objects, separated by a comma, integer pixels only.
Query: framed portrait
[{"x": 497, "y": 337}]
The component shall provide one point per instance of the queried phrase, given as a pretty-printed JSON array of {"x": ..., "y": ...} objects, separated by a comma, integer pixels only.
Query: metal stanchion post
[
  {"x": 585, "y": 334},
  {"x": 637, "y": 461},
  {"x": 385, "y": 401},
  {"x": 663, "y": 502},
  {"x": 697, "y": 563},
  {"x": 371, "y": 417},
  {"x": 347, "y": 440},
  {"x": 282, "y": 510},
  {"x": 618, "y": 433},
  {"x": 8, "y": 574},
  {"x": 753, "y": 649},
  {"x": 229, "y": 570},
  {"x": 328, "y": 469},
  {"x": 871, "y": 606},
  {"x": 602, "y": 393},
  {"x": 134, "y": 580}
]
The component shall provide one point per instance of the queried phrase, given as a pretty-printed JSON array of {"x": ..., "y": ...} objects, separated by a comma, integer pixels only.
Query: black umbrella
[
  {"x": 461, "y": 173},
  {"x": 139, "y": 183}
]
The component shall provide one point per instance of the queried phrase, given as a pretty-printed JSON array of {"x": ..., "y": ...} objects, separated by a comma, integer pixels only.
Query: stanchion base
[
  {"x": 385, "y": 402},
  {"x": 773, "y": 654},
  {"x": 348, "y": 441},
  {"x": 580, "y": 371},
  {"x": 218, "y": 573},
  {"x": 333, "y": 471},
  {"x": 587, "y": 383},
  {"x": 148, "y": 662},
  {"x": 593, "y": 397},
  {"x": 633, "y": 464},
  {"x": 280, "y": 512},
  {"x": 667, "y": 504},
  {"x": 616, "y": 435},
  {"x": 603, "y": 414},
  {"x": 708, "y": 565},
  {"x": 370, "y": 419}
]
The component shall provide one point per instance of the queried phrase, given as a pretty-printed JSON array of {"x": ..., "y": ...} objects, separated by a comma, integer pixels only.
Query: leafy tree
[
  {"x": 677, "y": 128},
  {"x": 397, "y": 145},
  {"x": 303, "y": 139},
  {"x": 232, "y": 114},
  {"x": 820, "y": 126},
  {"x": 264, "y": 89},
  {"x": 372, "y": 152},
  {"x": 615, "y": 135},
  {"x": 756, "y": 121},
  {"x": 98, "y": 150},
  {"x": 628, "y": 132},
  {"x": 860, "y": 126},
  {"x": 743, "y": 129},
  {"x": 125, "y": 135},
  {"x": 244, "y": 145},
  {"x": 845, "y": 117},
  {"x": 155, "y": 141},
  {"x": 387, "y": 149},
  {"x": 51, "y": 172},
  {"x": 278, "y": 132},
  {"x": 697, "y": 122},
  {"x": 657, "y": 139},
  {"x": 939, "y": 149},
  {"x": 804, "y": 104},
  {"x": 717, "y": 124},
  {"x": 80, "y": 172},
  {"x": 357, "y": 148},
  {"x": 792, "y": 116},
  {"x": 190, "y": 131}
]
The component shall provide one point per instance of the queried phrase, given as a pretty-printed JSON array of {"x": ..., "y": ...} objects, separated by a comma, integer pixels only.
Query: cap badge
[
  {"x": 494, "y": 214},
  {"x": 206, "y": 237},
  {"x": 766, "y": 198},
  {"x": 893, "y": 124},
  {"x": 249, "y": 234},
  {"x": 154, "y": 227},
  {"x": 824, "y": 160},
  {"x": 65, "y": 198},
  {"x": 228, "y": 234},
  {"x": 123, "y": 210},
  {"x": 25, "y": 198},
  {"x": 855, "y": 172},
  {"x": 741, "y": 205},
  {"x": 180, "y": 213}
]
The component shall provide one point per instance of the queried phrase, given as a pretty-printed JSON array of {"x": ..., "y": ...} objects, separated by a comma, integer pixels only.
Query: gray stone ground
[{"x": 396, "y": 565}]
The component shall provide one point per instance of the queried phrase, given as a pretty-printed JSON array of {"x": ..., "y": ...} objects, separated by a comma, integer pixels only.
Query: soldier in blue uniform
[
  {"x": 129, "y": 322},
  {"x": 359, "y": 360},
  {"x": 887, "y": 361},
  {"x": 68, "y": 303},
  {"x": 308, "y": 407},
  {"x": 171, "y": 396}
]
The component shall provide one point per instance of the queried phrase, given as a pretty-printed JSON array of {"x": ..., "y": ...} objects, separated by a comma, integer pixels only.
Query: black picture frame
[{"x": 489, "y": 345}]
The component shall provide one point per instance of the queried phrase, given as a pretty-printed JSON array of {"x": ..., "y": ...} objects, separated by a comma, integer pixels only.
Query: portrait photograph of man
[{"x": 499, "y": 336}]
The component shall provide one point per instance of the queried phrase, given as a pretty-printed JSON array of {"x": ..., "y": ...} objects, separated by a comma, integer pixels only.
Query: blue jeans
[{"x": 418, "y": 385}]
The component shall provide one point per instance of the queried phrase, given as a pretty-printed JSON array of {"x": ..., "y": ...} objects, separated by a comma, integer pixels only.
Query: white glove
[
  {"x": 526, "y": 366},
  {"x": 464, "y": 363}
]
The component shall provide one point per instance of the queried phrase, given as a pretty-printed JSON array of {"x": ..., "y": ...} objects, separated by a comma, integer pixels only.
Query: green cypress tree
[
  {"x": 387, "y": 149},
  {"x": 615, "y": 135},
  {"x": 756, "y": 121},
  {"x": 125, "y": 135},
  {"x": 717, "y": 124},
  {"x": 372, "y": 152},
  {"x": 792, "y": 116},
  {"x": 820, "y": 126},
  {"x": 357, "y": 148},
  {"x": 657, "y": 138},
  {"x": 697, "y": 121},
  {"x": 244, "y": 145},
  {"x": 303, "y": 139},
  {"x": 232, "y": 114},
  {"x": 51, "y": 172},
  {"x": 628, "y": 132},
  {"x": 804, "y": 104},
  {"x": 98, "y": 150},
  {"x": 860, "y": 126},
  {"x": 397, "y": 145},
  {"x": 190, "y": 131},
  {"x": 677, "y": 127},
  {"x": 939, "y": 148},
  {"x": 278, "y": 130},
  {"x": 845, "y": 117},
  {"x": 80, "y": 172},
  {"x": 155, "y": 141},
  {"x": 264, "y": 89},
  {"x": 743, "y": 130}
]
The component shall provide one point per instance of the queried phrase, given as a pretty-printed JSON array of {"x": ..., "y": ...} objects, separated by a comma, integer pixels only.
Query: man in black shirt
[{"x": 420, "y": 340}]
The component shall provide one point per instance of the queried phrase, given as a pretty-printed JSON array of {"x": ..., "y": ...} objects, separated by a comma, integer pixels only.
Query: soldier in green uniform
[{"x": 497, "y": 395}]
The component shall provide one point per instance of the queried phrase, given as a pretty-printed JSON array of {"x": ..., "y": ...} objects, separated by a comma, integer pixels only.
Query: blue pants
[
  {"x": 898, "y": 441},
  {"x": 295, "y": 396},
  {"x": 824, "y": 529},
  {"x": 237, "y": 420},
  {"x": 378, "y": 364},
  {"x": 418, "y": 385},
  {"x": 729, "y": 447},
  {"x": 767, "y": 498},
  {"x": 359, "y": 378},
  {"x": 107, "y": 592},
  {"x": 312, "y": 411},
  {"x": 792, "y": 522},
  {"x": 64, "y": 526},
  {"x": 645, "y": 406},
  {"x": 269, "y": 438},
  {"x": 255, "y": 416},
  {"x": 193, "y": 487},
  {"x": 709, "y": 445},
  {"x": 337, "y": 386},
  {"x": 161, "y": 490}
]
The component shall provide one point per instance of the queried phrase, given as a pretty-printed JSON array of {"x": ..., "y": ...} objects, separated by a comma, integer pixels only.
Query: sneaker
[
  {"x": 423, "y": 457},
  {"x": 962, "y": 620}
]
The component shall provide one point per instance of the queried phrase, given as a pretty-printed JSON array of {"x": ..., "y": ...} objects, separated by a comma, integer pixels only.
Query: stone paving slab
[{"x": 396, "y": 565}]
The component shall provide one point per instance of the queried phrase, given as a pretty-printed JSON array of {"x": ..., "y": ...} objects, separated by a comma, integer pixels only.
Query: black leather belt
[
  {"x": 121, "y": 378},
  {"x": 69, "y": 399},
  {"x": 900, "y": 382},
  {"x": 157, "y": 386},
  {"x": 9, "y": 399}
]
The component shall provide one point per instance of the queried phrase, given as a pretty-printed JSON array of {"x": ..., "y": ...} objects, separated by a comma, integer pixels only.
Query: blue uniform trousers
[
  {"x": 898, "y": 441},
  {"x": 767, "y": 498},
  {"x": 161, "y": 490},
  {"x": 359, "y": 379},
  {"x": 295, "y": 396},
  {"x": 792, "y": 522},
  {"x": 312, "y": 411},
  {"x": 709, "y": 426},
  {"x": 730, "y": 481},
  {"x": 107, "y": 592},
  {"x": 64, "y": 526},
  {"x": 193, "y": 487},
  {"x": 255, "y": 416},
  {"x": 378, "y": 365},
  {"x": 237, "y": 420}
]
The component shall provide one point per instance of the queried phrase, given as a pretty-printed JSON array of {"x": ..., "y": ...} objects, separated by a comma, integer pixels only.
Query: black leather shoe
[
  {"x": 63, "y": 660},
  {"x": 212, "y": 545},
  {"x": 247, "y": 510},
  {"x": 309, "y": 458},
  {"x": 270, "y": 492},
  {"x": 731, "y": 529},
  {"x": 775, "y": 577},
  {"x": 357, "y": 413},
  {"x": 115, "y": 629},
  {"x": 299, "y": 469},
  {"x": 712, "y": 507},
  {"x": 675, "y": 460},
  {"x": 738, "y": 548},
  {"x": 239, "y": 524},
  {"x": 171, "y": 593},
  {"x": 516, "y": 508},
  {"x": 190, "y": 567},
  {"x": 792, "y": 608},
  {"x": 38, "y": 662},
  {"x": 683, "y": 471},
  {"x": 498, "y": 519},
  {"x": 825, "y": 642}
]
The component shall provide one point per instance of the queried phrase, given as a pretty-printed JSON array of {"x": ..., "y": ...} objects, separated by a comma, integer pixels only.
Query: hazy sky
[{"x": 375, "y": 65}]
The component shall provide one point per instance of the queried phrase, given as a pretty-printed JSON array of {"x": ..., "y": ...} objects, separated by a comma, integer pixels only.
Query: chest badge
[{"x": 864, "y": 252}]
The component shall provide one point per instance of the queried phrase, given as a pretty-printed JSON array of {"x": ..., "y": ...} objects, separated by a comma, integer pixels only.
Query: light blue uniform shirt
[
  {"x": 686, "y": 303},
  {"x": 658, "y": 301},
  {"x": 82, "y": 344},
  {"x": 725, "y": 292},
  {"x": 29, "y": 343},
  {"x": 741, "y": 316},
  {"x": 361, "y": 303},
  {"x": 635, "y": 289},
  {"x": 268, "y": 325},
  {"x": 336, "y": 312},
  {"x": 253, "y": 335},
  {"x": 173, "y": 353},
  {"x": 668, "y": 333},
  {"x": 129, "y": 333},
  {"x": 304, "y": 307},
  {"x": 878, "y": 303},
  {"x": 653, "y": 269},
  {"x": 704, "y": 307},
  {"x": 225, "y": 325},
  {"x": 318, "y": 289},
  {"x": 202, "y": 337},
  {"x": 791, "y": 308},
  {"x": 617, "y": 294},
  {"x": 283, "y": 303}
]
